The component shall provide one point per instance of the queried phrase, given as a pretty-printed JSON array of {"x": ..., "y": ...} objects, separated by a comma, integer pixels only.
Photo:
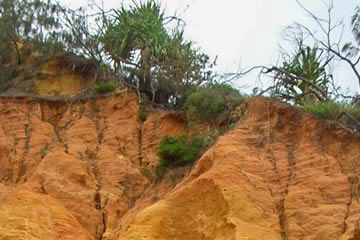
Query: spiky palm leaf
[
  {"x": 141, "y": 27},
  {"x": 307, "y": 64}
]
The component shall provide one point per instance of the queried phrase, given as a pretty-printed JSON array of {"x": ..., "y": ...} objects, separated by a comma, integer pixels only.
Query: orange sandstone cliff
[{"x": 83, "y": 170}]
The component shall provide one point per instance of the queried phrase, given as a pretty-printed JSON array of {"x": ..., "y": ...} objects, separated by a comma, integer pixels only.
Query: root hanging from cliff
[
  {"x": 22, "y": 164},
  {"x": 140, "y": 144}
]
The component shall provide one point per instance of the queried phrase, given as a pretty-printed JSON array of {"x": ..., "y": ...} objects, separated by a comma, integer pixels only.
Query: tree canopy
[
  {"x": 303, "y": 77},
  {"x": 32, "y": 21},
  {"x": 159, "y": 60},
  {"x": 146, "y": 49}
]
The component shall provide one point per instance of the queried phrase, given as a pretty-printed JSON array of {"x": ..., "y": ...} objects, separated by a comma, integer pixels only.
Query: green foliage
[
  {"x": 333, "y": 110},
  {"x": 179, "y": 69},
  {"x": 141, "y": 27},
  {"x": 142, "y": 114},
  {"x": 355, "y": 112},
  {"x": 325, "y": 110},
  {"x": 157, "y": 58},
  {"x": 176, "y": 151},
  {"x": 33, "y": 21},
  {"x": 138, "y": 29},
  {"x": 104, "y": 87},
  {"x": 355, "y": 21},
  {"x": 303, "y": 78},
  {"x": 207, "y": 103},
  {"x": 43, "y": 151},
  {"x": 49, "y": 27},
  {"x": 147, "y": 48},
  {"x": 352, "y": 49},
  {"x": 82, "y": 33}
]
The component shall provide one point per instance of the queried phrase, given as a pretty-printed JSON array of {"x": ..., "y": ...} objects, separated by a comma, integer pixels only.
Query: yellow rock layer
[
  {"x": 85, "y": 171},
  {"x": 29, "y": 216}
]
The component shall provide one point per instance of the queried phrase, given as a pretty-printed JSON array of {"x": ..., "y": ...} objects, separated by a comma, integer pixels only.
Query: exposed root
[
  {"x": 140, "y": 138},
  {"x": 27, "y": 130}
]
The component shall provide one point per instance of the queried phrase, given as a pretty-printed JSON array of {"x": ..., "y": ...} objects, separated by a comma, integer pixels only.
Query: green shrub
[
  {"x": 355, "y": 112},
  {"x": 43, "y": 151},
  {"x": 142, "y": 114},
  {"x": 176, "y": 151},
  {"x": 332, "y": 111},
  {"x": 104, "y": 87},
  {"x": 206, "y": 103},
  {"x": 325, "y": 110}
]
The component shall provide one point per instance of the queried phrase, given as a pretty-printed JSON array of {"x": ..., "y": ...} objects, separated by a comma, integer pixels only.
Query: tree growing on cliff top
[
  {"x": 328, "y": 36},
  {"x": 34, "y": 21},
  {"x": 324, "y": 43},
  {"x": 82, "y": 32},
  {"x": 147, "y": 49},
  {"x": 49, "y": 27},
  {"x": 141, "y": 41},
  {"x": 303, "y": 78}
]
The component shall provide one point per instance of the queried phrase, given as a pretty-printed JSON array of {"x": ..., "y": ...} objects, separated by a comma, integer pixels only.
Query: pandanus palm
[
  {"x": 305, "y": 78},
  {"x": 137, "y": 37}
]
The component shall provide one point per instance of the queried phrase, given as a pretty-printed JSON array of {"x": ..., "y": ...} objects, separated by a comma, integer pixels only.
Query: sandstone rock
[
  {"x": 29, "y": 216},
  {"x": 279, "y": 174},
  {"x": 156, "y": 126},
  {"x": 71, "y": 182}
]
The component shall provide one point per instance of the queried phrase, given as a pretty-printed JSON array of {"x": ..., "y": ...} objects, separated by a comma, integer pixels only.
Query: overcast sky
[{"x": 244, "y": 33}]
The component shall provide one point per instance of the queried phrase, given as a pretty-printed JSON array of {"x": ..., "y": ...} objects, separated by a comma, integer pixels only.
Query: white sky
[{"x": 246, "y": 32}]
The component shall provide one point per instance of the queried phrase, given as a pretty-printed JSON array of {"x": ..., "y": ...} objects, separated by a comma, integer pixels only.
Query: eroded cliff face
[
  {"x": 86, "y": 156},
  {"x": 84, "y": 171},
  {"x": 56, "y": 76}
]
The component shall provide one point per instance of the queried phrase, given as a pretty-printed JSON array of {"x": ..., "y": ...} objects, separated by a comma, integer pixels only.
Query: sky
[{"x": 245, "y": 33}]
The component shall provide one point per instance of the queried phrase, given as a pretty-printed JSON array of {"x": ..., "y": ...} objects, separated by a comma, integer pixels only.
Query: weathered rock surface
[
  {"x": 58, "y": 75},
  {"x": 29, "y": 216},
  {"x": 84, "y": 171}
]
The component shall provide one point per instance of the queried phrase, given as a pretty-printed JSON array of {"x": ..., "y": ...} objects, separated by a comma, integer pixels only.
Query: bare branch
[
  {"x": 293, "y": 76},
  {"x": 331, "y": 46},
  {"x": 356, "y": 122}
]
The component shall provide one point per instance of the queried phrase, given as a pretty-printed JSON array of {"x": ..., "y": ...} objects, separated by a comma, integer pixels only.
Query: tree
[
  {"x": 82, "y": 33},
  {"x": 27, "y": 20},
  {"x": 355, "y": 20},
  {"x": 50, "y": 27},
  {"x": 303, "y": 78},
  {"x": 329, "y": 37},
  {"x": 182, "y": 67},
  {"x": 138, "y": 41},
  {"x": 137, "y": 30},
  {"x": 307, "y": 72}
]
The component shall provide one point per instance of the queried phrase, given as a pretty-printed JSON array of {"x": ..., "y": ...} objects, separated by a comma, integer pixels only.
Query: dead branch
[{"x": 327, "y": 27}]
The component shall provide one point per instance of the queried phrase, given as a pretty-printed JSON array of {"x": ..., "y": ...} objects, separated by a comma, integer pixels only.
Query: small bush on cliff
[
  {"x": 104, "y": 87},
  {"x": 142, "y": 114},
  {"x": 325, "y": 110},
  {"x": 177, "y": 151},
  {"x": 210, "y": 103},
  {"x": 336, "y": 111}
]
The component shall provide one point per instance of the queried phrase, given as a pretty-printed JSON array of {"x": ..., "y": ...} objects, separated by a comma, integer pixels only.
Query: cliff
[{"x": 83, "y": 170}]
